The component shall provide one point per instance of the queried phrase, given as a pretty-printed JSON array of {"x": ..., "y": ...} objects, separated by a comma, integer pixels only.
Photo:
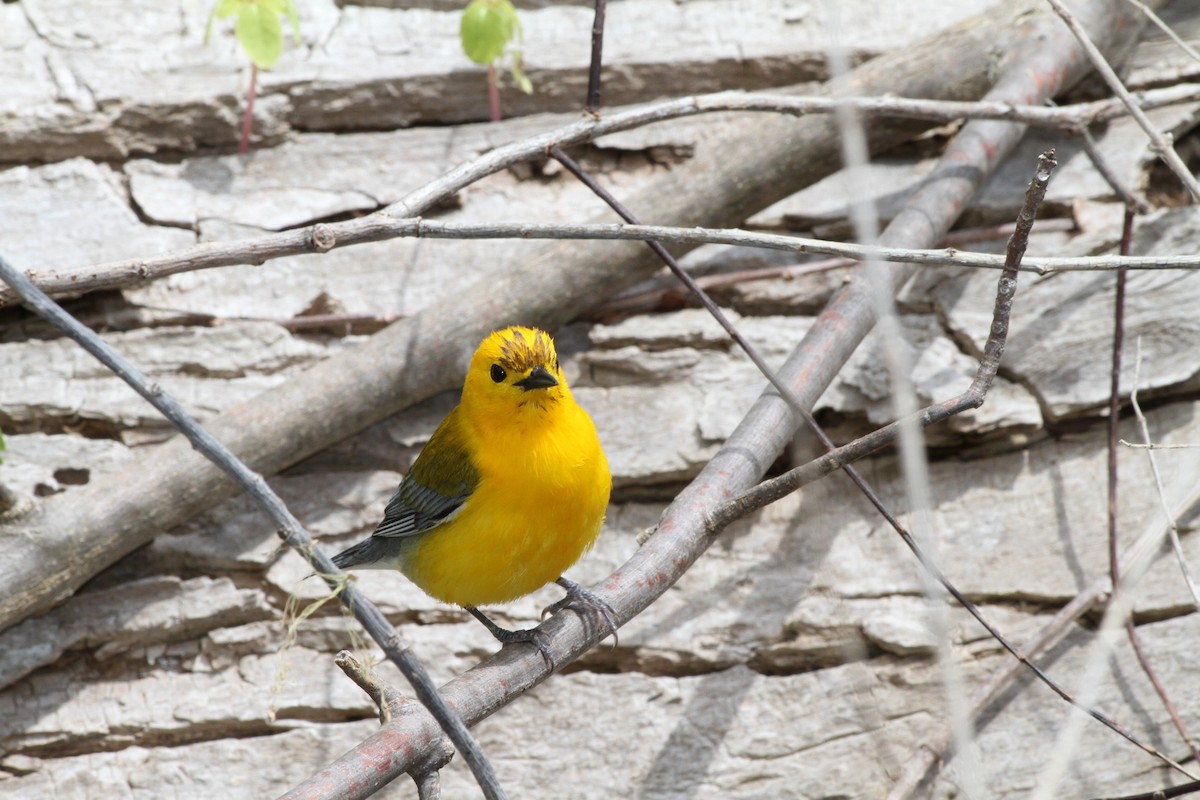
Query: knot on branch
[{"x": 323, "y": 238}]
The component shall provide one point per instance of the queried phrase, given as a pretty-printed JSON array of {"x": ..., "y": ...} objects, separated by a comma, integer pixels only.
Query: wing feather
[{"x": 435, "y": 489}]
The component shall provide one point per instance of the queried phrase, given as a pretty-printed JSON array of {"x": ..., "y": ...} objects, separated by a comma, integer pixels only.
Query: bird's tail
[{"x": 372, "y": 553}]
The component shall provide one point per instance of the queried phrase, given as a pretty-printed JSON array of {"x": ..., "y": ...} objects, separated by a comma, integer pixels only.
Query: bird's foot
[
  {"x": 532, "y": 636},
  {"x": 587, "y": 602}
]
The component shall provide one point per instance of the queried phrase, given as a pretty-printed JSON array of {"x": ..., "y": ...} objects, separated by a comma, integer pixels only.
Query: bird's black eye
[{"x": 498, "y": 374}]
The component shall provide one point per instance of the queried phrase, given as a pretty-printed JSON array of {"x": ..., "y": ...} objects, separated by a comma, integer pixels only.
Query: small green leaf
[
  {"x": 259, "y": 30},
  {"x": 258, "y": 26},
  {"x": 1, "y": 445},
  {"x": 487, "y": 28}
]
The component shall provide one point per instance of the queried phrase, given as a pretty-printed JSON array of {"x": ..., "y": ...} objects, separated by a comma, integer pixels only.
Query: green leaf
[
  {"x": 487, "y": 28},
  {"x": 261, "y": 33},
  {"x": 1, "y": 445},
  {"x": 258, "y": 26}
]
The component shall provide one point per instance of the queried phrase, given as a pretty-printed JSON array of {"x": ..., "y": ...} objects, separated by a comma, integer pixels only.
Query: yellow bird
[{"x": 509, "y": 492}]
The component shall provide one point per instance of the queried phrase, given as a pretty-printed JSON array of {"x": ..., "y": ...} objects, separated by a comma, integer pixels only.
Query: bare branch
[
  {"x": 386, "y": 698},
  {"x": 1165, "y": 28},
  {"x": 1126, "y": 195},
  {"x": 384, "y": 225},
  {"x": 1150, "y": 447},
  {"x": 1159, "y": 141},
  {"x": 123, "y": 273}
]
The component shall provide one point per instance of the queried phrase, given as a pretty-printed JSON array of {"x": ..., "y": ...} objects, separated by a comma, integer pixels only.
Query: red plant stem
[
  {"x": 493, "y": 93},
  {"x": 248, "y": 116}
]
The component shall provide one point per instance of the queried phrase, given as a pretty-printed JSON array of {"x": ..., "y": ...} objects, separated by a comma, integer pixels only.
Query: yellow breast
[{"x": 543, "y": 489}]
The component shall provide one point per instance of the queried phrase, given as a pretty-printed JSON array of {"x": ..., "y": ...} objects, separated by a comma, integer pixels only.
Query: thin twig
[
  {"x": 1127, "y": 196},
  {"x": 385, "y": 696},
  {"x": 936, "y": 746},
  {"x": 1165, "y": 28},
  {"x": 392, "y": 705},
  {"x": 1161, "y": 794},
  {"x": 1160, "y": 688},
  {"x": 593, "y": 92},
  {"x": 1138, "y": 562},
  {"x": 1150, "y": 447},
  {"x": 1157, "y": 446},
  {"x": 670, "y": 295},
  {"x": 1114, "y": 401},
  {"x": 322, "y": 237},
  {"x": 123, "y": 273},
  {"x": 248, "y": 113},
  {"x": 495, "y": 114},
  {"x": 290, "y": 529},
  {"x": 1160, "y": 142}
]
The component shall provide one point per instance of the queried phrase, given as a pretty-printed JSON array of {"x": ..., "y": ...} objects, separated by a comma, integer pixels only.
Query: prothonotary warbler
[{"x": 509, "y": 492}]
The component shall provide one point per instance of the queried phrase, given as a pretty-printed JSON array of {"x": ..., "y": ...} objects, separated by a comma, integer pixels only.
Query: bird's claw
[
  {"x": 586, "y": 601},
  {"x": 532, "y": 636}
]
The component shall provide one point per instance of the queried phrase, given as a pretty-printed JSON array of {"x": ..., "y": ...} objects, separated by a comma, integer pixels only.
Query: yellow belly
[{"x": 521, "y": 528}]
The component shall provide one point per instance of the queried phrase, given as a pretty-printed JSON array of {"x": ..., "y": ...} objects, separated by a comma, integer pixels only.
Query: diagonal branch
[{"x": 1159, "y": 141}]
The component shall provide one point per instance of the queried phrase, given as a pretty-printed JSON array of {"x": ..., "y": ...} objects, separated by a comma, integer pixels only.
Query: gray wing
[
  {"x": 435, "y": 489},
  {"x": 415, "y": 508}
]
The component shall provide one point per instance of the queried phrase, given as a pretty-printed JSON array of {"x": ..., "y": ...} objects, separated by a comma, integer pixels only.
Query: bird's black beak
[{"x": 540, "y": 378}]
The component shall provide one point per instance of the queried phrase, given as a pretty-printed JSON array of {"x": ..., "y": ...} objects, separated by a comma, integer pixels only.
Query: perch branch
[{"x": 392, "y": 705}]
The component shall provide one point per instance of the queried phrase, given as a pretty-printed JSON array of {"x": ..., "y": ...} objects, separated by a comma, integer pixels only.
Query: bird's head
[{"x": 515, "y": 372}]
